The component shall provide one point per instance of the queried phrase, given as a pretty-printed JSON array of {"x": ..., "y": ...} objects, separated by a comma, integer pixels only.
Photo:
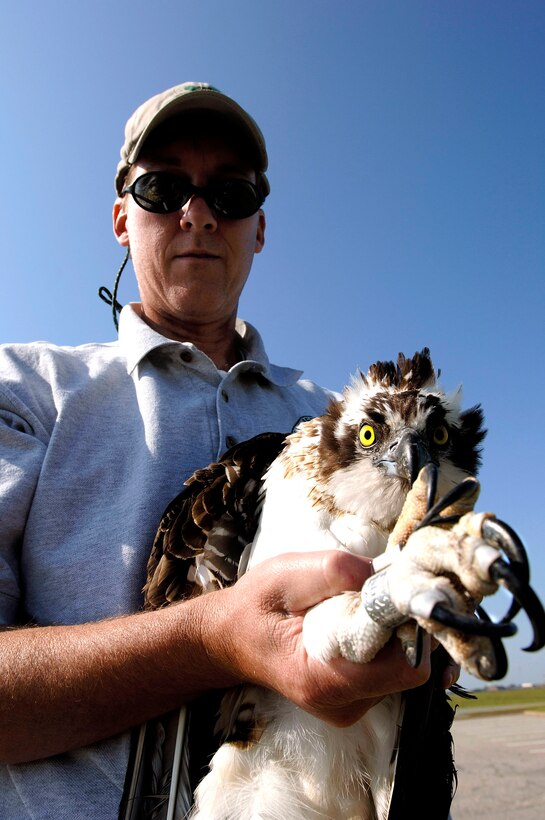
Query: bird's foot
[{"x": 442, "y": 560}]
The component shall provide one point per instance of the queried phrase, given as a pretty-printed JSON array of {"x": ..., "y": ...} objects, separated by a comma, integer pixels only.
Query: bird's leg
[
  {"x": 421, "y": 504},
  {"x": 442, "y": 560},
  {"x": 342, "y": 625}
]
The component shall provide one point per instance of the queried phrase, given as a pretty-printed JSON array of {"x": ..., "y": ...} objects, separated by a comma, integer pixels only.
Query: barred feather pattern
[
  {"x": 205, "y": 529},
  {"x": 197, "y": 549}
]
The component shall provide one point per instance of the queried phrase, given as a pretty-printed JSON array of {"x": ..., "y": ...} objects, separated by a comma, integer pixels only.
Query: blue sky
[{"x": 407, "y": 164}]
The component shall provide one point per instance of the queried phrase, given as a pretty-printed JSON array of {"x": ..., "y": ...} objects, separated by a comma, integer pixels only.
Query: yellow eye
[
  {"x": 367, "y": 435},
  {"x": 440, "y": 435}
]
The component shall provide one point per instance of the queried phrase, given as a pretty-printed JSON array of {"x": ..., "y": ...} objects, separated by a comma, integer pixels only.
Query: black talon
[
  {"x": 430, "y": 477},
  {"x": 461, "y": 692},
  {"x": 482, "y": 626},
  {"x": 501, "y": 535},
  {"x": 465, "y": 488},
  {"x": 502, "y": 573},
  {"x": 500, "y": 657},
  {"x": 469, "y": 624},
  {"x": 419, "y": 645},
  {"x": 513, "y": 610}
]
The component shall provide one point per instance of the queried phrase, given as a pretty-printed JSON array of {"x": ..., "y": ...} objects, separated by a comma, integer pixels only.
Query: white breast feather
[
  {"x": 289, "y": 518},
  {"x": 303, "y": 769}
]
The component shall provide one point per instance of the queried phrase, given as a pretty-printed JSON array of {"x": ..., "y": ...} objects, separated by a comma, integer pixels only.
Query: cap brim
[{"x": 205, "y": 101}]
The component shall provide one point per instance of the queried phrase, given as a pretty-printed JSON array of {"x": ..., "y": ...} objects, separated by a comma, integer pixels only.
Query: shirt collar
[{"x": 137, "y": 340}]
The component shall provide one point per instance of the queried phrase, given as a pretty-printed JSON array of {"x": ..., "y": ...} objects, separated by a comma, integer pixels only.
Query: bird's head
[{"x": 388, "y": 425}]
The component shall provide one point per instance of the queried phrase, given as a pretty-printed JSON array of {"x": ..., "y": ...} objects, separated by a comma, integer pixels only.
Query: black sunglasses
[{"x": 162, "y": 192}]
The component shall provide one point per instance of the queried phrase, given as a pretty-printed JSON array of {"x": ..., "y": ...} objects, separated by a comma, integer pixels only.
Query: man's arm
[{"x": 66, "y": 687}]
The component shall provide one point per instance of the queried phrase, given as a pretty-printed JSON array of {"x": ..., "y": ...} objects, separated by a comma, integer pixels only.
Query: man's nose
[{"x": 196, "y": 214}]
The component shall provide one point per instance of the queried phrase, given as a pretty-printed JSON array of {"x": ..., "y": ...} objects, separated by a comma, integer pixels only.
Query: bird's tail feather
[{"x": 157, "y": 785}]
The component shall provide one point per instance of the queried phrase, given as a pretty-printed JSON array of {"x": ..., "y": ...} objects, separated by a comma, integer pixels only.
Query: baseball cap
[{"x": 181, "y": 99}]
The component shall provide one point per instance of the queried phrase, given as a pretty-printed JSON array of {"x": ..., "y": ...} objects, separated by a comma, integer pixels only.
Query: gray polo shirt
[{"x": 94, "y": 442}]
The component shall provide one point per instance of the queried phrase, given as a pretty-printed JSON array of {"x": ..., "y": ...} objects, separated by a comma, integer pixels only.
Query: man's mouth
[{"x": 197, "y": 254}]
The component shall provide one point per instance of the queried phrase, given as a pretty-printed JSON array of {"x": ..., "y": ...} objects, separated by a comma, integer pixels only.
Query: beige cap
[{"x": 186, "y": 97}]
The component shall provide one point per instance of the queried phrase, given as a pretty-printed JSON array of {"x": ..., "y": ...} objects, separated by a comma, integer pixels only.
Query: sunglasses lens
[
  {"x": 235, "y": 198},
  {"x": 159, "y": 192}
]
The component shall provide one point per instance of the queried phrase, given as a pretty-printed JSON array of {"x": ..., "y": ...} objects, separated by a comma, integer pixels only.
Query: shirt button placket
[{"x": 230, "y": 440}]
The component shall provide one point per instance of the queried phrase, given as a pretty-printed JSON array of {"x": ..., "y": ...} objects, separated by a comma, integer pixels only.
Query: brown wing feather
[{"x": 204, "y": 530}]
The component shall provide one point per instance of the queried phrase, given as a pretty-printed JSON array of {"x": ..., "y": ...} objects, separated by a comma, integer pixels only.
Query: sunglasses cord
[{"x": 111, "y": 299}]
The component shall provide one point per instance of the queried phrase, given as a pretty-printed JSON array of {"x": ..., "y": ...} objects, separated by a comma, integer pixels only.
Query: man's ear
[
  {"x": 260, "y": 233},
  {"x": 119, "y": 219}
]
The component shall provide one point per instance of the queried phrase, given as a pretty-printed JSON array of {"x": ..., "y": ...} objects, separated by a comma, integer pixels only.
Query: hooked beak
[{"x": 406, "y": 455}]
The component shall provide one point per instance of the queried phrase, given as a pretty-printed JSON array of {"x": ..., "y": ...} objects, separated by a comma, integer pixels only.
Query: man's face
[{"x": 191, "y": 265}]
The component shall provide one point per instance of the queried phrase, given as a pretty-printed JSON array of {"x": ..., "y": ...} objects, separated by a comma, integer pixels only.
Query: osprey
[{"x": 387, "y": 472}]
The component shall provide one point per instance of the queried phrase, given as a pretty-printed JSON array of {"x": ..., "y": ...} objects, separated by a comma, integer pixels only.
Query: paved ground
[{"x": 501, "y": 767}]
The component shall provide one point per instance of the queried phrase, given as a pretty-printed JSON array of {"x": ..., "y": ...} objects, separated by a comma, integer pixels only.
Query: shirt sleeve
[{"x": 22, "y": 450}]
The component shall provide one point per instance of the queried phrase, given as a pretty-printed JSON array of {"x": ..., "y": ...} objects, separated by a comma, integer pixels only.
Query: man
[{"x": 95, "y": 440}]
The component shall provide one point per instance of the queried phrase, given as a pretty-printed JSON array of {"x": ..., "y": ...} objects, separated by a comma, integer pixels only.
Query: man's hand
[{"x": 262, "y": 638}]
